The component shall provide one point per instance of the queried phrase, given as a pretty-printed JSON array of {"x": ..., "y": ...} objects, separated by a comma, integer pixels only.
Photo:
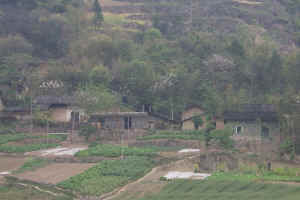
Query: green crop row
[
  {"x": 224, "y": 190},
  {"x": 108, "y": 150},
  {"x": 12, "y": 138},
  {"x": 181, "y": 137},
  {"x": 25, "y": 148},
  {"x": 108, "y": 175},
  {"x": 32, "y": 164},
  {"x": 21, "y": 136}
]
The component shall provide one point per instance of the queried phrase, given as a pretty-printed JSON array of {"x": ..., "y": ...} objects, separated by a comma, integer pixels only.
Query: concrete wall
[{"x": 60, "y": 114}]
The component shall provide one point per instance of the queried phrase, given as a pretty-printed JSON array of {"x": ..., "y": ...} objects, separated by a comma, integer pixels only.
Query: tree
[
  {"x": 96, "y": 98},
  {"x": 98, "y": 17}
]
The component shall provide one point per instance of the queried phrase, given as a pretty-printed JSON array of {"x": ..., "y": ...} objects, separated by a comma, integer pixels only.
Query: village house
[
  {"x": 61, "y": 108},
  {"x": 253, "y": 120}
]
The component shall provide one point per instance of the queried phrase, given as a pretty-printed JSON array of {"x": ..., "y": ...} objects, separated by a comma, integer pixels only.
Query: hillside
[{"x": 169, "y": 54}]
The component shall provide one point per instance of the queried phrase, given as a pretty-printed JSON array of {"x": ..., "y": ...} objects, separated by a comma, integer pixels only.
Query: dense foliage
[{"x": 182, "y": 60}]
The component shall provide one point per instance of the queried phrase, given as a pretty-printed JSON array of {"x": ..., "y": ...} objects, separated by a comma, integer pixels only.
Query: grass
[
  {"x": 32, "y": 164},
  {"x": 108, "y": 175},
  {"x": 183, "y": 135},
  {"x": 25, "y": 148},
  {"x": 108, "y": 150},
  {"x": 225, "y": 190}
]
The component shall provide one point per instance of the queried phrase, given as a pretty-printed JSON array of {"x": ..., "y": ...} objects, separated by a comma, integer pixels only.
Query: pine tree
[{"x": 98, "y": 17}]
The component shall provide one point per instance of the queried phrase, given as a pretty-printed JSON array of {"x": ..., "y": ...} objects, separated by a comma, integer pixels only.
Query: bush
[
  {"x": 222, "y": 137},
  {"x": 87, "y": 130},
  {"x": 286, "y": 147}
]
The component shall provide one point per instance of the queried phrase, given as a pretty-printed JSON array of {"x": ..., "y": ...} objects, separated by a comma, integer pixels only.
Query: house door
[
  {"x": 75, "y": 117},
  {"x": 265, "y": 132},
  {"x": 127, "y": 122}
]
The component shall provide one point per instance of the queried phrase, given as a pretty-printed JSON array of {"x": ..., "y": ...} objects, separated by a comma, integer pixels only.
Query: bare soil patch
[
  {"x": 10, "y": 163},
  {"x": 54, "y": 173}
]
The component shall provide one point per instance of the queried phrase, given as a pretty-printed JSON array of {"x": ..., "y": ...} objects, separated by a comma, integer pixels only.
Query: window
[{"x": 127, "y": 122}]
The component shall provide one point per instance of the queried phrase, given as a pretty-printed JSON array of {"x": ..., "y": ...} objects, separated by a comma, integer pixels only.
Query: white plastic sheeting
[
  {"x": 62, "y": 151},
  {"x": 4, "y": 173},
  {"x": 186, "y": 175},
  {"x": 189, "y": 150}
]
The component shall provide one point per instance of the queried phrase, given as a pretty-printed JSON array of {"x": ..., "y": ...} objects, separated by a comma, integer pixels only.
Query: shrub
[
  {"x": 198, "y": 122},
  {"x": 222, "y": 137},
  {"x": 87, "y": 130}
]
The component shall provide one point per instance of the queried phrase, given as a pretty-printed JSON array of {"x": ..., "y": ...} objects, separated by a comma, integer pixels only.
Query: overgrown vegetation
[{"x": 108, "y": 175}]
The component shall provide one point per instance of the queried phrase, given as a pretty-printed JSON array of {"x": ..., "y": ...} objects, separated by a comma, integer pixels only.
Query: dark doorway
[
  {"x": 75, "y": 116},
  {"x": 265, "y": 132},
  {"x": 127, "y": 122}
]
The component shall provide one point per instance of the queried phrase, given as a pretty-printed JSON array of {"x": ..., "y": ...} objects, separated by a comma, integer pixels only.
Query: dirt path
[
  {"x": 150, "y": 183},
  {"x": 54, "y": 173}
]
